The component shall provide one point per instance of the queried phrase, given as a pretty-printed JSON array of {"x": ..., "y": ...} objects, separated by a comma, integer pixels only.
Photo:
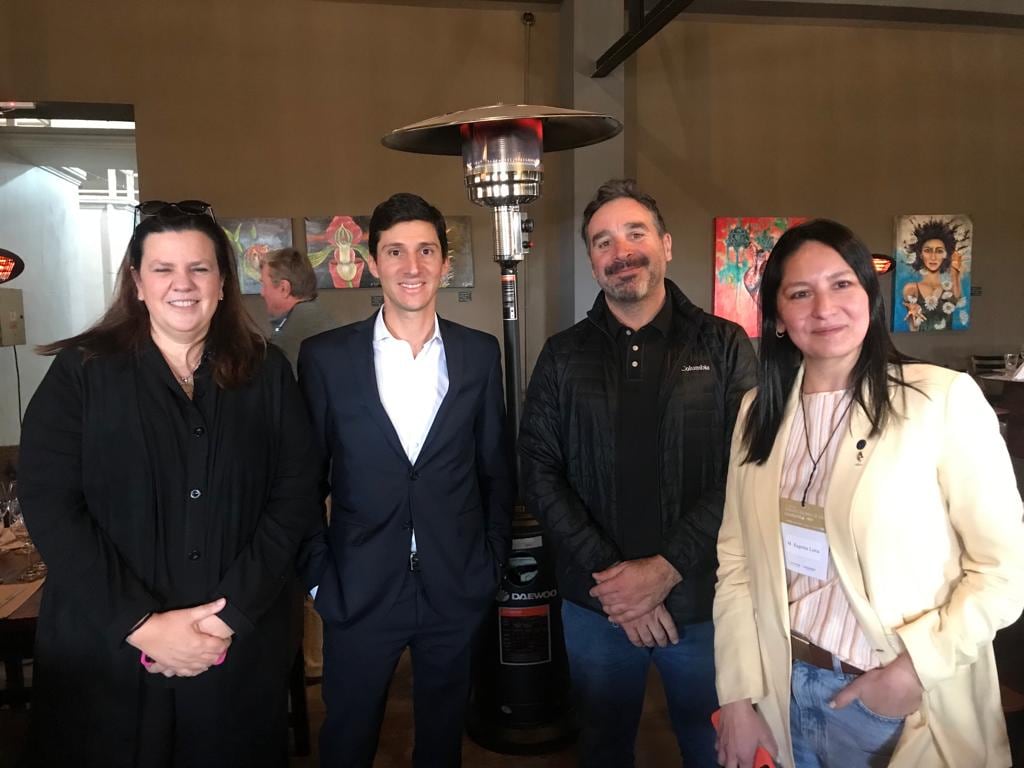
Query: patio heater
[
  {"x": 501, "y": 147},
  {"x": 519, "y": 702}
]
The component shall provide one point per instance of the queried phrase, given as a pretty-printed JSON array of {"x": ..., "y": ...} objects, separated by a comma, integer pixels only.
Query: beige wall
[
  {"x": 277, "y": 107},
  {"x": 852, "y": 121}
]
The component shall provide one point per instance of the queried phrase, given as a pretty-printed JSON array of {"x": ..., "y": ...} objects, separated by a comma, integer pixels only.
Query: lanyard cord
[{"x": 807, "y": 441}]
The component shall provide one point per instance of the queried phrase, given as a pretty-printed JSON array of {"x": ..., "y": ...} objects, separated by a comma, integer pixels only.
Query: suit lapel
[
  {"x": 454, "y": 353},
  {"x": 366, "y": 382}
]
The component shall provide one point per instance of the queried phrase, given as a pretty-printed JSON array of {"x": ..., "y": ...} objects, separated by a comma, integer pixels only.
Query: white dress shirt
[{"x": 411, "y": 388}]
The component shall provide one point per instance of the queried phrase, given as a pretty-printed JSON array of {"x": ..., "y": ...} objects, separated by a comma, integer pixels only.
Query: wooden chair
[{"x": 977, "y": 365}]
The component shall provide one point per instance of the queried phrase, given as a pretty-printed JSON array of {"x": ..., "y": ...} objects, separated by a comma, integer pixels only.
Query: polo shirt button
[
  {"x": 195, "y": 493},
  {"x": 194, "y": 554},
  {"x": 198, "y": 432},
  {"x": 634, "y": 363}
]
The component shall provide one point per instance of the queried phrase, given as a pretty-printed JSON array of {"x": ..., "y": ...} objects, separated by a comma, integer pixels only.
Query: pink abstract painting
[{"x": 742, "y": 245}]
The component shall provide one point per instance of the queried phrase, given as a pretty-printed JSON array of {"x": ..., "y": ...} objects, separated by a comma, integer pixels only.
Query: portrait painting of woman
[{"x": 933, "y": 266}]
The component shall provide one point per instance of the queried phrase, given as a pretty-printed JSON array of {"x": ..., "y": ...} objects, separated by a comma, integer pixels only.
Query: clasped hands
[
  {"x": 632, "y": 594},
  {"x": 185, "y": 642}
]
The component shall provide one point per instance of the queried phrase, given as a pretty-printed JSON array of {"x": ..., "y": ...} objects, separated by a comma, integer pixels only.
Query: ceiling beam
[
  {"x": 643, "y": 25},
  {"x": 861, "y": 11}
]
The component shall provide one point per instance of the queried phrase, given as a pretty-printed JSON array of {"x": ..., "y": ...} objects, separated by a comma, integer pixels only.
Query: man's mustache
[{"x": 620, "y": 264}]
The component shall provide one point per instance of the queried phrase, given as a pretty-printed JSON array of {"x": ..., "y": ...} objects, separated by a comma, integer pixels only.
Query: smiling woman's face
[
  {"x": 180, "y": 283},
  {"x": 822, "y": 305}
]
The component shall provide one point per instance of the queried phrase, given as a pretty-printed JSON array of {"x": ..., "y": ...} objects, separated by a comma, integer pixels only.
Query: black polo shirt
[{"x": 640, "y": 361}]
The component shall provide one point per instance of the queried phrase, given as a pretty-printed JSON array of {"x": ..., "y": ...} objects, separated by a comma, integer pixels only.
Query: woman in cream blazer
[{"x": 922, "y": 517}]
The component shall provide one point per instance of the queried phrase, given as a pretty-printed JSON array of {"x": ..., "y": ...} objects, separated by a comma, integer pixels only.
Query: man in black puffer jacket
[{"x": 625, "y": 443}]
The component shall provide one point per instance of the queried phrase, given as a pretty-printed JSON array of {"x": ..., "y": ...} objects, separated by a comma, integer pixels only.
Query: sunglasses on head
[{"x": 181, "y": 208}]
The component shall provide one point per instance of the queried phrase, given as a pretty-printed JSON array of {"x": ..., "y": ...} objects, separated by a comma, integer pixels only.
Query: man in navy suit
[{"x": 409, "y": 413}]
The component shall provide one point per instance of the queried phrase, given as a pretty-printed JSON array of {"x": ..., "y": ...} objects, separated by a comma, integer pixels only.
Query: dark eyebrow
[
  {"x": 401, "y": 244},
  {"x": 833, "y": 276},
  {"x": 630, "y": 225}
]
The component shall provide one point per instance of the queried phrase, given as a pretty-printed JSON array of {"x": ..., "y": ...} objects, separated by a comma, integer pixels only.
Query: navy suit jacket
[{"x": 458, "y": 494}]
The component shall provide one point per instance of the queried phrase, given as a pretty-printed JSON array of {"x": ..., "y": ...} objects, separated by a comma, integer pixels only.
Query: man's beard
[{"x": 632, "y": 290}]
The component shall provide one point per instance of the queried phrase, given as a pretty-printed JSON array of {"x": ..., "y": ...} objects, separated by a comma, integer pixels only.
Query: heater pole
[
  {"x": 513, "y": 355},
  {"x": 509, "y": 250}
]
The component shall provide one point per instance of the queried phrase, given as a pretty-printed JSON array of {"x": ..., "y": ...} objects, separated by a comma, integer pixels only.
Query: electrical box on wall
[{"x": 12, "y": 317}]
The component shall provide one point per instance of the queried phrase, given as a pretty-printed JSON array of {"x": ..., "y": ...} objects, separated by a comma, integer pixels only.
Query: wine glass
[{"x": 17, "y": 525}]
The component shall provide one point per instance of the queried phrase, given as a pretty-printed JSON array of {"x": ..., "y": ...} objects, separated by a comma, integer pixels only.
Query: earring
[{"x": 779, "y": 334}]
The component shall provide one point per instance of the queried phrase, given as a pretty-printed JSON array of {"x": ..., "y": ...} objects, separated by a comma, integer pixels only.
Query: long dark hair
[
  {"x": 879, "y": 364},
  {"x": 234, "y": 344}
]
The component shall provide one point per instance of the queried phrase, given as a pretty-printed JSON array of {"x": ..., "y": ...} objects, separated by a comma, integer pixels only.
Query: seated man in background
[{"x": 288, "y": 288}]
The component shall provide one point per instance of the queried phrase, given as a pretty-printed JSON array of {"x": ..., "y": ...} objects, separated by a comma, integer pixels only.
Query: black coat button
[
  {"x": 413, "y": 474},
  {"x": 194, "y": 554},
  {"x": 198, "y": 431},
  {"x": 195, "y": 493}
]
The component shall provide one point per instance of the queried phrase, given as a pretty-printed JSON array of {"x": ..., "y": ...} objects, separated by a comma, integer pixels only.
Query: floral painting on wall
[
  {"x": 742, "y": 245},
  {"x": 252, "y": 239},
  {"x": 932, "y": 283},
  {"x": 339, "y": 251}
]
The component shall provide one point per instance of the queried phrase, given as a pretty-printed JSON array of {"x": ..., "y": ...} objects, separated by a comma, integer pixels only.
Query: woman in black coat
[{"x": 167, "y": 478}]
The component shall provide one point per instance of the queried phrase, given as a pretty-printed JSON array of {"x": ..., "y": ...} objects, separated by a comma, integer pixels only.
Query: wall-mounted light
[
  {"x": 11, "y": 265},
  {"x": 883, "y": 264}
]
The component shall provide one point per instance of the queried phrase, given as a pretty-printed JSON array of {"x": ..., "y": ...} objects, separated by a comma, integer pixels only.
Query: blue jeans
[
  {"x": 609, "y": 675},
  {"x": 851, "y": 737}
]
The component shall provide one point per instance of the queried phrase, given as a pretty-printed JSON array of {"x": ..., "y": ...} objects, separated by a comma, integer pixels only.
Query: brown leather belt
[{"x": 809, "y": 653}]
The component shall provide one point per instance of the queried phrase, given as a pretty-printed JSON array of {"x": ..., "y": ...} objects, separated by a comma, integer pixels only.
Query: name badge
[{"x": 804, "y": 543}]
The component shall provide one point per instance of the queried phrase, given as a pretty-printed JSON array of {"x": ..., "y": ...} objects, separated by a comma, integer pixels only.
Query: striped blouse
[{"x": 819, "y": 609}]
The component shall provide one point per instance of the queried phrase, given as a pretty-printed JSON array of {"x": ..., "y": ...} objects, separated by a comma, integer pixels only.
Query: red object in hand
[{"x": 762, "y": 758}]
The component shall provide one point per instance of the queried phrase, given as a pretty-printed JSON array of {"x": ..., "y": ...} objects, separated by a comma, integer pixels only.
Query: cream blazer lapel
[
  {"x": 767, "y": 484},
  {"x": 840, "y": 508},
  {"x": 842, "y": 488}
]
